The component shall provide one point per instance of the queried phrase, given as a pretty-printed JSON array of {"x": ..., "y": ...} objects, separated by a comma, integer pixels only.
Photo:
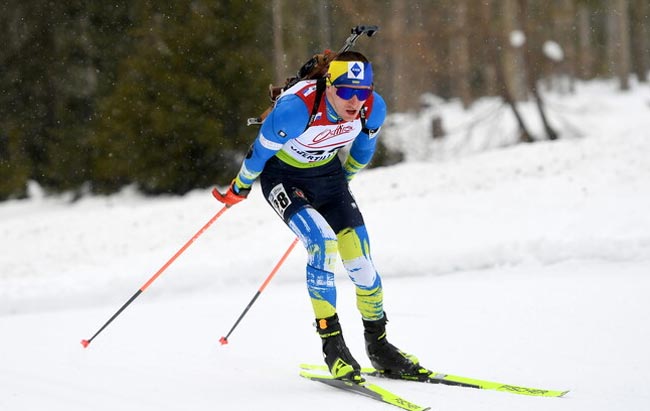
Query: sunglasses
[{"x": 346, "y": 93}]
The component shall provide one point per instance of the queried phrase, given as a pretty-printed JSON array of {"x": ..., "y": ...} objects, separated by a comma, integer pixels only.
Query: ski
[
  {"x": 455, "y": 380},
  {"x": 364, "y": 388}
]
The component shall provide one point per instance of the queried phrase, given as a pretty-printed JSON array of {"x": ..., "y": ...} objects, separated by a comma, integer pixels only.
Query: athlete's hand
[{"x": 232, "y": 196}]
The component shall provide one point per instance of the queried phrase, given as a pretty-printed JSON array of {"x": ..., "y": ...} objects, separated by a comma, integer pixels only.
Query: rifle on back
[{"x": 314, "y": 68}]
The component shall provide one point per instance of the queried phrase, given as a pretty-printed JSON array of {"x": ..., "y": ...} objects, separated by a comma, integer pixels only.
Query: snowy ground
[{"x": 527, "y": 265}]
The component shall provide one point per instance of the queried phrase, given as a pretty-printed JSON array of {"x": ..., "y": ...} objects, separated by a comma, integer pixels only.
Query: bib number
[{"x": 279, "y": 199}]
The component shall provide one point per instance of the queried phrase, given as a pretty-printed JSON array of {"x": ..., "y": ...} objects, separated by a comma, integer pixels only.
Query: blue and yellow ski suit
[{"x": 303, "y": 179}]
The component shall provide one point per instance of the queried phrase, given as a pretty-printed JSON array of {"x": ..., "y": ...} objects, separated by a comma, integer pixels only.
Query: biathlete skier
[{"x": 302, "y": 178}]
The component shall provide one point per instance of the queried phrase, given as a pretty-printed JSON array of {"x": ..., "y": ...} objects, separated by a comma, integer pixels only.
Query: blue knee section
[
  {"x": 317, "y": 237},
  {"x": 320, "y": 285}
]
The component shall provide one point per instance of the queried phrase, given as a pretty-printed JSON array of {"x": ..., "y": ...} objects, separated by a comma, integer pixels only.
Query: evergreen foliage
[
  {"x": 105, "y": 94},
  {"x": 58, "y": 57},
  {"x": 176, "y": 118}
]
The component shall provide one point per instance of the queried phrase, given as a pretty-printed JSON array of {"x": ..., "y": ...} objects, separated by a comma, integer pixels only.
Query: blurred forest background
[{"x": 99, "y": 94}]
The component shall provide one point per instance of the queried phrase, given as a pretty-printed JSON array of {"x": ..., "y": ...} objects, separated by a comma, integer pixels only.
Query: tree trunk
[
  {"x": 586, "y": 50},
  {"x": 397, "y": 27},
  {"x": 641, "y": 39},
  {"x": 564, "y": 12},
  {"x": 496, "y": 51},
  {"x": 459, "y": 50},
  {"x": 280, "y": 58},
  {"x": 512, "y": 58},
  {"x": 488, "y": 64},
  {"x": 324, "y": 25},
  {"x": 531, "y": 73},
  {"x": 618, "y": 41}
]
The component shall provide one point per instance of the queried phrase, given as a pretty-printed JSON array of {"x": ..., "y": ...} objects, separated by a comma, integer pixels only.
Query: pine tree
[{"x": 176, "y": 120}]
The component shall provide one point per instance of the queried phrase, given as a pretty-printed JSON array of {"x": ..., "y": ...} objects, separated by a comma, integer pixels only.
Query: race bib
[{"x": 279, "y": 199}]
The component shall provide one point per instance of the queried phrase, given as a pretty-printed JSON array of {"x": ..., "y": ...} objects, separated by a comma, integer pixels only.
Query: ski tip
[
  {"x": 223, "y": 340},
  {"x": 85, "y": 343},
  {"x": 563, "y": 393}
]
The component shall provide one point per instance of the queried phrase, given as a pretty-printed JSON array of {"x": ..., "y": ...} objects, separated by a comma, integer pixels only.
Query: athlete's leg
[
  {"x": 343, "y": 215},
  {"x": 320, "y": 242},
  {"x": 354, "y": 248},
  {"x": 294, "y": 199}
]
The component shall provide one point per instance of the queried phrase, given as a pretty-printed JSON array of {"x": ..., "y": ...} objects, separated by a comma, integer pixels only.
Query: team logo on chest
[{"x": 332, "y": 133}]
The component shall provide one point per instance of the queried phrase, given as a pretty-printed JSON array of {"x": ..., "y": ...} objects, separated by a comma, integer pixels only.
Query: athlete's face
[{"x": 347, "y": 109}]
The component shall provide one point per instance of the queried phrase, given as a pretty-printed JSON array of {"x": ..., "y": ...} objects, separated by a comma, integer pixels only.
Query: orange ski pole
[
  {"x": 224, "y": 340},
  {"x": 157, "y": 274}
]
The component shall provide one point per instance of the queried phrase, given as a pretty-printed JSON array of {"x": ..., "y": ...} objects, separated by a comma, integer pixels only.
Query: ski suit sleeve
[
  {"x": 365, "y": 144},
  {"x": 285, "y": 122}
]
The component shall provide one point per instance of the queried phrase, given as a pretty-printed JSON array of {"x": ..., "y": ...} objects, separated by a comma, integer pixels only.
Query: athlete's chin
[{"x": 350, "y": 115}]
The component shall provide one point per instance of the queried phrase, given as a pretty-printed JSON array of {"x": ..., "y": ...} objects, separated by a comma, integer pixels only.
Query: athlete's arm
[
  {"x": 287, "y": 120},
  {"x": 365, "y": 144}
]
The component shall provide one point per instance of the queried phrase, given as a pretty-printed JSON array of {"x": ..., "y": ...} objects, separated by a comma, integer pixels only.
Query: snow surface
[{"x": 528, "y": 264}]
